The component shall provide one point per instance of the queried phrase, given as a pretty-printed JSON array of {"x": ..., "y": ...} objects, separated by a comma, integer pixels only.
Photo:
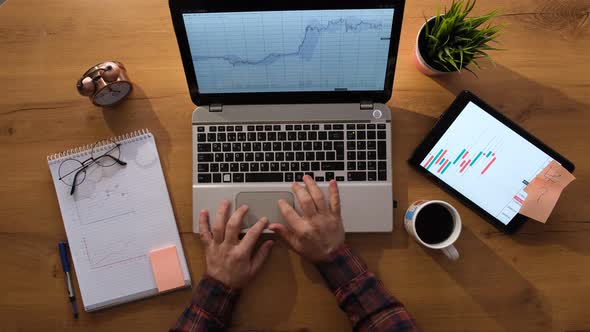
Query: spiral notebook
[{"x": 118, "y": 214}]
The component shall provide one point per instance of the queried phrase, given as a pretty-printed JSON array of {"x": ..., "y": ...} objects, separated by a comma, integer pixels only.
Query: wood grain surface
[{"x": 535, "y": 280}]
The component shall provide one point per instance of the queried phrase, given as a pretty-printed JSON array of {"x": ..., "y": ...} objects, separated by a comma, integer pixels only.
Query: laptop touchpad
[{"x": 263, "y": 204}]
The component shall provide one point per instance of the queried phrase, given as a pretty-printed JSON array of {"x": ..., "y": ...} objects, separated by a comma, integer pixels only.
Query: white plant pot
[{"x": 419, "y": 61}]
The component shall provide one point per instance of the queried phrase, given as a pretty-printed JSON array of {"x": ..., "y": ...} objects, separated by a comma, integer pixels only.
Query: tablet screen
[{"x": 486, "y": 161}]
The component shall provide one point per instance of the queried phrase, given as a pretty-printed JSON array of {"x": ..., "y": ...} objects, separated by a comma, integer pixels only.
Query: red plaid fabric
[
  {"x": 211, "y": 307},
  {"x": 362, "y": 296},
  {"x": 359, "y": 293}
]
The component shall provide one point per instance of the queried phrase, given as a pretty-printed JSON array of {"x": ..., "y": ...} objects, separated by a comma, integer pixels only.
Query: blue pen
[{"x": 65, "y": 265}]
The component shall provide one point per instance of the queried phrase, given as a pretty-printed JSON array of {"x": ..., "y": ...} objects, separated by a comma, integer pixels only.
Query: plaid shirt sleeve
[
  {"x": 362, "y": 296},
  {"x": 211, "y": 307}
]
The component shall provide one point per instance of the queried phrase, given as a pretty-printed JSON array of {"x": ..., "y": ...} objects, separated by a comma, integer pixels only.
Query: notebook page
[{"x": 116, "y": 216}]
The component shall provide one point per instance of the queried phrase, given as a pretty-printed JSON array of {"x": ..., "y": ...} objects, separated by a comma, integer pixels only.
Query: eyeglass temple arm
[
  {"x": 119, "y": 161},
  {"x": 75, "y": 179}
]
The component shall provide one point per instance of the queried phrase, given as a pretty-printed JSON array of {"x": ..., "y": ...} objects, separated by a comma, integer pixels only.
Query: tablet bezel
[{"x": 443, "y": 124}]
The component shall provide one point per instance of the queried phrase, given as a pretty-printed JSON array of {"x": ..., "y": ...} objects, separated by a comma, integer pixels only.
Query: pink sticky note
[
  {"x": 544, "y": 191},
  {"x": 541, "y": 199},
  {"x": 166, "y": 268},
  {"x": 556, "y": 175}
]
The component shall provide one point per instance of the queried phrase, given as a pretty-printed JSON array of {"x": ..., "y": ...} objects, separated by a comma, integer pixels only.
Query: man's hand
[
  {"x": 230, "y": 260},
  {"x": 319, "y": 231}
]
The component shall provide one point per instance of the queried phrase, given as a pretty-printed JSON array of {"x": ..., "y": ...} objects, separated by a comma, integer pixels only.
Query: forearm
[
  {"x": 362, "y": 296},
  {"x": 211, "y": 307}
]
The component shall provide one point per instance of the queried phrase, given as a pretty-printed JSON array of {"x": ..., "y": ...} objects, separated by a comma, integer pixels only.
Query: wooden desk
[{"x": 536, "y": 280}]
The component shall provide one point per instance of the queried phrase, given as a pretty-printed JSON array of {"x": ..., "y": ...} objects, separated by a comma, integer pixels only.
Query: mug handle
[{"x": 451, "y": 252}]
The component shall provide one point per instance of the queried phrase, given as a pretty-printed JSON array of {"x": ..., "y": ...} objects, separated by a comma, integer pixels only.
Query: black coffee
[{"x": 434, "y": 223}]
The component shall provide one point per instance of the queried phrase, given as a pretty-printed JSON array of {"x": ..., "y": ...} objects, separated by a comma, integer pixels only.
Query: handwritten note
[
  {"x": 556, "y": 174},
  {"x": 544, "y": 191},
  {"x": 166, "y": 268}
]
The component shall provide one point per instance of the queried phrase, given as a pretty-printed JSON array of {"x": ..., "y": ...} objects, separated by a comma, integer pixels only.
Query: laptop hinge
[
  {"x": 367, "y": 105},
  {"x": 215, "y": 108}
]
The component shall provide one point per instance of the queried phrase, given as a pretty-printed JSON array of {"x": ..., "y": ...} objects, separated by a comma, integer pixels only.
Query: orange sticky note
[
  {"x": 556, "y": 175},
  {"x": 544, "y": 191},
  {"x": 540, "y": 201},
  {"x": 166, "y": 268}
]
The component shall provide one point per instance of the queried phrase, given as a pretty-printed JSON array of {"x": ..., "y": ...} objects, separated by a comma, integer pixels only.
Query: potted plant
[{"x": 451, "y": 41}]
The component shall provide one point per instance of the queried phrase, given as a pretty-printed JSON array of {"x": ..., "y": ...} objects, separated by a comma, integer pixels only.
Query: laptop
[{"x": 286, "y": 89}]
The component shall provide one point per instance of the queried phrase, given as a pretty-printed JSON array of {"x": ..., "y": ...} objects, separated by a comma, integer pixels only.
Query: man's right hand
[{"x": 317, "y": 233}]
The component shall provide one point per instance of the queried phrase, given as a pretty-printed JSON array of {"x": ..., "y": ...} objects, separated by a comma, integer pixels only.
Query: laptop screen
[{"x": 290, "y": 51}]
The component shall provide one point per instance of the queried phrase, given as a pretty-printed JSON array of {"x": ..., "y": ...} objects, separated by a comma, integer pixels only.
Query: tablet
[{"x": 484, "y": 159}]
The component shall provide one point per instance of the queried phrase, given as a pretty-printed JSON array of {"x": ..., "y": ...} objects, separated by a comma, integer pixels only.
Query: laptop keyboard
[{"x": 287, "y": 152}]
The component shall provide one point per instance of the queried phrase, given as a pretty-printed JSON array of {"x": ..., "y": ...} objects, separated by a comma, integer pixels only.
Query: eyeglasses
[{"x": 105, "y": 153}]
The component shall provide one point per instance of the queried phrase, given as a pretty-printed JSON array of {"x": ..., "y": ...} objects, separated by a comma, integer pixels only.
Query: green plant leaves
[{"x": 452, "y": 41}]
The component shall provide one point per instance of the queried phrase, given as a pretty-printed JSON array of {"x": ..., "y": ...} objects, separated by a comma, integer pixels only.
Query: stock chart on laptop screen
[{"x": 290, "y": 51}]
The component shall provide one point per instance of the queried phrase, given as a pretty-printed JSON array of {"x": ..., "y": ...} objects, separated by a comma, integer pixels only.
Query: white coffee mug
[{"x": 447, "y": 245}]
